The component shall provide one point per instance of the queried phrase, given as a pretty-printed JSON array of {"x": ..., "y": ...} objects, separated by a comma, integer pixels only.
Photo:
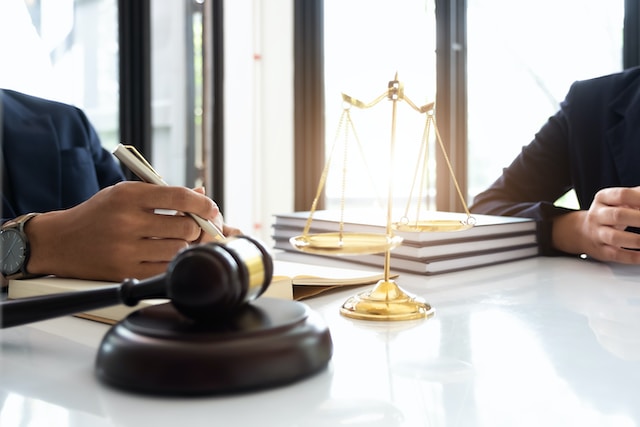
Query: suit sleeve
[
  {"x": 108, "y": 171},
  {"x": 536, "y": 178}
]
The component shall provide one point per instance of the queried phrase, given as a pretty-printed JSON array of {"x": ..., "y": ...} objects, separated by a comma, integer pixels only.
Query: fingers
[
  {"x": 615, "y": 254},
  {"x": 141, "y": 200},
  {"x": 231, "y": 231},
  {"x": 138, "y": 259},
  {"x": 618, "y": 239},
  {"x": 168, "y": 227},
  {"x": 611, "y": 213},
  {"x": 200, "y": 190},
  {"x": 217, "y": 219},
  {"x": 619, "y": 217},
  {"x": 151, "y": 197},
  {"x": 619, "y": 196},
  {"x": 614, "y": 210},
  {"x": 601, "y": 232}
]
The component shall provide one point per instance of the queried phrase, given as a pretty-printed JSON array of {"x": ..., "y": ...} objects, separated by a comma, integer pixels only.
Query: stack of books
[{"x": 492, "y": 240}]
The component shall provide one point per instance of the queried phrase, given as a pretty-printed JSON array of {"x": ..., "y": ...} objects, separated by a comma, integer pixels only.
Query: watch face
[{"x": 13, "y": 250}]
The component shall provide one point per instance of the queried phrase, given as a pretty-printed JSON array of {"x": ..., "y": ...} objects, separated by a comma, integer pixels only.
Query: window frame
[{"x": 134, "y": 39}]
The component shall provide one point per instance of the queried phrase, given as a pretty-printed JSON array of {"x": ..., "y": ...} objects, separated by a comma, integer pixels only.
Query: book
[
  {"x": 425, "y": 265},
  {"x": 309, "y": 280},
  {"x": 290, "y": 281},
  {"x": 373, "y": 221},
  {"x": 54, "y": 285},
  {"x": 282, "y": 235},
  {"x": 493, "y": 239}
]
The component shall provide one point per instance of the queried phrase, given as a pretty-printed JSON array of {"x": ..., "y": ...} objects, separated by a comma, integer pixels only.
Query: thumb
[{"x": 200, "y": 190}]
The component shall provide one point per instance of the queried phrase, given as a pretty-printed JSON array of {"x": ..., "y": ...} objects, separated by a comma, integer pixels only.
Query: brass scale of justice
[{"x": 386, "y": 300}]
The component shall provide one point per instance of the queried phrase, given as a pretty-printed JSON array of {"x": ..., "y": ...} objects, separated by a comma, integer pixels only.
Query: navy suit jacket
[
  {"x": 591, "y": 143},
  {"x": 52, "y": 156}
]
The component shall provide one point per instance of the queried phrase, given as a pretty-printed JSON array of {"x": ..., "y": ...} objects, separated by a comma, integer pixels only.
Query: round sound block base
[{"x": 267, "y": 343}]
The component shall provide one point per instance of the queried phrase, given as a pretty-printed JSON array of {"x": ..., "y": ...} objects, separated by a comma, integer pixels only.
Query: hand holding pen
[
  {"x": 131, "y": 158},
  {"x": 117, "y": 234}
]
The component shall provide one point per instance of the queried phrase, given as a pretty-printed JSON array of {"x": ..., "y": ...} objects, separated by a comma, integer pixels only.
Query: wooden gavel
[{"x": 204, "y": 283}]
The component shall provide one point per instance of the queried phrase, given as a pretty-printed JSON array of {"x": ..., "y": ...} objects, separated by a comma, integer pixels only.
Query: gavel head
[{"x": 212, "y": 280}]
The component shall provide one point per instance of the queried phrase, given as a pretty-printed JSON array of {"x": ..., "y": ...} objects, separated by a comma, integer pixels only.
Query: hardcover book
[
  {"x": 374, "y": 221},
  {"x": 493, "y": 239},
  {"x": 424, "y": 265}
]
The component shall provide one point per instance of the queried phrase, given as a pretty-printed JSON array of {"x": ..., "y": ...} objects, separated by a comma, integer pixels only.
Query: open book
[
  {"x": 311, "y": 280},
  {"x": 290, "y": 281}
]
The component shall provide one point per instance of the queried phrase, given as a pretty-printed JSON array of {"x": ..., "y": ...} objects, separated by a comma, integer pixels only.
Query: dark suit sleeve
[
  {"x": 537, "y": 177},
  {"x": 108, "y": 171}
]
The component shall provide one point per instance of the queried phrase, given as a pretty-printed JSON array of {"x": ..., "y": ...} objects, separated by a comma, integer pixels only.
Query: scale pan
[
  {"x": 432, "y": 225},
  {"x": 345, "y": 243}
]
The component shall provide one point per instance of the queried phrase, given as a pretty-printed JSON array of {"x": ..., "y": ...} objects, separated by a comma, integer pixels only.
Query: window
[{"x": 363, "y": 52}]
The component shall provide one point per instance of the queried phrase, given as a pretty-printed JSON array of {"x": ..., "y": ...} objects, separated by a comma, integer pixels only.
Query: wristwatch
[{"x": 14, "y": 248}]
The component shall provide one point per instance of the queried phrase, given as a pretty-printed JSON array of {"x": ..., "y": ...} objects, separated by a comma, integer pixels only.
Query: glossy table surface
[{"x": 543, "y": 341}]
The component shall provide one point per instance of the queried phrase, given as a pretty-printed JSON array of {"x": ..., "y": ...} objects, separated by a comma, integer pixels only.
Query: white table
[{"x": 544, "y": 341}]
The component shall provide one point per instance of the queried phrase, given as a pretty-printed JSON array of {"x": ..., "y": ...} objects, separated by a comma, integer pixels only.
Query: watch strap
[{"x": 20, "y": 223}]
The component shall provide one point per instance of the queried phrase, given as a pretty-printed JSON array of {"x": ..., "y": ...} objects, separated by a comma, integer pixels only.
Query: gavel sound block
[
  {"x": 267, "y": 343},
  {"x": 215, "y": 336}
]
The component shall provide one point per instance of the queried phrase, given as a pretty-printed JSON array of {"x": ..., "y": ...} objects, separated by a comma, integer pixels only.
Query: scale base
[
  {"x": 386, "y": 301},
  {"x": 267, "y": 343}
]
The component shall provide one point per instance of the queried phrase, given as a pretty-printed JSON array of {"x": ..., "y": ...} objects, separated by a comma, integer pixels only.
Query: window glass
[
  {"x": 363, "y": 52},
  {"x": 521, "y": 61},
  {"x": 65, "y": 50},
  {"x": 170, "y": 89}
]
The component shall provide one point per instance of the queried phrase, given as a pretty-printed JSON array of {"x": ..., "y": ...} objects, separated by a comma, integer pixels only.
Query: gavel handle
[{"x": 33, "y": 309}]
